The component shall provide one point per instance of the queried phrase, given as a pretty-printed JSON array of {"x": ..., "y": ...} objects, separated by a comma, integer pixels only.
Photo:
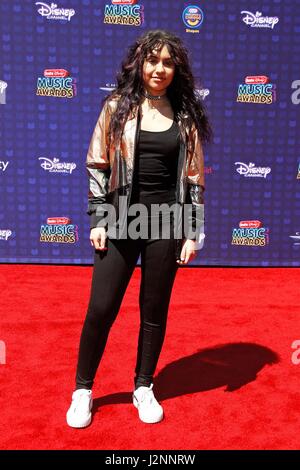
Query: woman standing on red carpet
[{"x": 145, "y": 153}]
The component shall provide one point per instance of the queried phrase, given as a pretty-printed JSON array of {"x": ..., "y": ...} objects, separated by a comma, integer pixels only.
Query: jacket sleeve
[
  {"x": 195, "y": 189},
  {"x": 98, "y": 169}
]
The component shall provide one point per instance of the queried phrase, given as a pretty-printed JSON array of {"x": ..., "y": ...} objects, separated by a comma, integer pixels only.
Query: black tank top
[{"x": 155, "y": 166}]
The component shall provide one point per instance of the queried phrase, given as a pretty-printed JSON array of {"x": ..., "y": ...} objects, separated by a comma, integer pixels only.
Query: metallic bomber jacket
[{"x": 110, "y": 167}]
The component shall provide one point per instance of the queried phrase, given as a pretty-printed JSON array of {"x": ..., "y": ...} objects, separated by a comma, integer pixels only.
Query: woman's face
[{"x": 158, "y": 71}]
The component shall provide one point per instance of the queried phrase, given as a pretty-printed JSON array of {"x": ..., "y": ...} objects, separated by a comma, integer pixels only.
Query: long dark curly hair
[{"x": 182, "y": 94}]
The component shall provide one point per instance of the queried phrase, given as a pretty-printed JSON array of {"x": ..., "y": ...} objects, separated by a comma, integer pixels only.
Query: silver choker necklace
[{"x": 152, "y": 97}]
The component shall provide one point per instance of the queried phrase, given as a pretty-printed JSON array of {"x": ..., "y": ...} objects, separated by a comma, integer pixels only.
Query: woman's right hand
[{"x": 98, "y": 238}]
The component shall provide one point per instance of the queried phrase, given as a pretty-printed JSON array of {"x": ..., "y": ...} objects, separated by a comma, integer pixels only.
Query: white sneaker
[
  {"x": 150, "y": 411},
  {"x": 79, "y": 415}
]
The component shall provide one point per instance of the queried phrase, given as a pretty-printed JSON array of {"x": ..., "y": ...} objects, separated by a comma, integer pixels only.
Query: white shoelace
[
  {"x": 147, "y": 395},
  {"x": 78, "y": 399}
]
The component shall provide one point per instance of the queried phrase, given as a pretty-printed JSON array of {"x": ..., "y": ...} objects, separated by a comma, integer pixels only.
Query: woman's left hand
[{"x": 188, "y": 251}]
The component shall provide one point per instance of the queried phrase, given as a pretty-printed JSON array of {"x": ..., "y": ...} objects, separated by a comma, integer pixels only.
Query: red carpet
[{"x": 225, "y": 376}]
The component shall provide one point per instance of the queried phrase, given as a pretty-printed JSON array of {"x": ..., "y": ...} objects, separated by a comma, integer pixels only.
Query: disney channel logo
[
  {"x": 251, "y": 170},
  {"x": 5, "y": 234},
  {"x": 55, "y": 166},
  {"x": 295, "y": 238},
  {"x": 51, "y": 12},
  {"x": 3, "y": 165},
  {"x": 256, "y": 20},
  {"x": 202, "y": 93}
]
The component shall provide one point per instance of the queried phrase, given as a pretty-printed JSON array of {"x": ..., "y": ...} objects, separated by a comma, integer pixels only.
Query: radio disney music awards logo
[
  {"x": 295, "y": 96},
  {"x": 5, "y": 234},
  {"x": 257, "y": 89},
  {"x": 256, "y": 20},
  {"x": 3, "y": 86},
  {"x": 252, "y": 171},
  {"x": 55, "y": 166},
  {"x": 192, "y": 17},
  {"x": 124, "y": 12},
  {"x": 51, "y": 12},
  {"x": 56, "y": 83},
  {"x": 59, "y": 230},
  {"x": 250, "y": 233}
]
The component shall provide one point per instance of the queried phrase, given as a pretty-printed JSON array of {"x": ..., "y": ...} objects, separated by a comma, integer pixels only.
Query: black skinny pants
[{"x": 111, "y": 275}]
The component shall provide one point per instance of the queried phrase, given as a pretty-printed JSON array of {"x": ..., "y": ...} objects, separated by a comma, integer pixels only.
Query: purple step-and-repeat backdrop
[{"x": 58, "y": 60}]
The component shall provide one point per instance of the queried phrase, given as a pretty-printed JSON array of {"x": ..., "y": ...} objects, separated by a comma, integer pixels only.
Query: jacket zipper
[
  {"x": 134, "y": 150},
  {"x": 181, "y": 162}
]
